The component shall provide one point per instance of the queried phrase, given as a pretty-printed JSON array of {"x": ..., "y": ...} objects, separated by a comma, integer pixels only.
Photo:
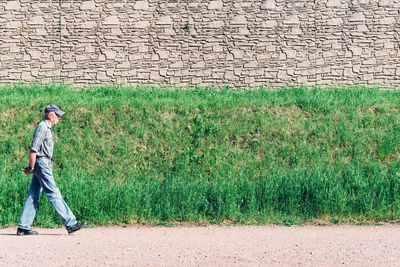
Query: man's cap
[{"x": 54, "y": 108}]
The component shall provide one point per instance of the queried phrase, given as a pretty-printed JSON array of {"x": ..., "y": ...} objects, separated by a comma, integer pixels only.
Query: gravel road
[{"x": 344, "y": 245}]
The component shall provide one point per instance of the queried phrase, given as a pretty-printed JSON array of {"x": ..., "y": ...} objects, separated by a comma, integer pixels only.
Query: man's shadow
[{"x": 31, "y": 235}]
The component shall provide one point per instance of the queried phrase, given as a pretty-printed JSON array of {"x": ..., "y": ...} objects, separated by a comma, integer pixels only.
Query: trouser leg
[
  {"x": 54, "y": 196},
  {"x": 31, "y": 204}
]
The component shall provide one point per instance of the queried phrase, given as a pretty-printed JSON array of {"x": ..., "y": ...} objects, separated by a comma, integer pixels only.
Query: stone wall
[{"x": 194, "y": 42}]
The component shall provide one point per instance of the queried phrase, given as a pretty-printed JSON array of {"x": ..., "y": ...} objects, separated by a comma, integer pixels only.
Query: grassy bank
[{"x": 159, "y": 155}]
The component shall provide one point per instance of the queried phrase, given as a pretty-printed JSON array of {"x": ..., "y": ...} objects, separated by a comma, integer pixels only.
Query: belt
[{"x": 38, "y": 157}]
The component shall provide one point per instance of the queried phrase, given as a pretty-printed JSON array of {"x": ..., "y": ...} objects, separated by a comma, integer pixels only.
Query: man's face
[{"x": 54, "y": 118}]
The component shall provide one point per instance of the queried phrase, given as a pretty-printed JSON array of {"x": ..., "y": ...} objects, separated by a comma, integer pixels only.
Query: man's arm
[
  {"x": 32, "y": 161},
  {"x": 38, "y": 136}
]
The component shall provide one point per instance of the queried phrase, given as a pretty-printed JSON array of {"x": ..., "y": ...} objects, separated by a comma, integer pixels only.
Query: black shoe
[
  {"x": 21, "y": 231},
  {"x": 75, "y": 227}
]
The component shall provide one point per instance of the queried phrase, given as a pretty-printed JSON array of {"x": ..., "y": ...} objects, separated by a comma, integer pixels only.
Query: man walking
[{"x": 40, "y": 164}]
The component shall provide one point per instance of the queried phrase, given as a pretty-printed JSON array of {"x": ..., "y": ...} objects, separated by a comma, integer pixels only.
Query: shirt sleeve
[{"x": 38, "y": 136}]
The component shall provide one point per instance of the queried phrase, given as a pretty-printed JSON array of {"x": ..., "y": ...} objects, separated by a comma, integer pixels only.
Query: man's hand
[
  {"x": 28, "y": 170},
  {"x": 32, "y": 162}
]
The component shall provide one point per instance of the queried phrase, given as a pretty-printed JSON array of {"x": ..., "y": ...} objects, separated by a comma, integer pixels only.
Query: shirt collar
[{"x": 48, "y": 124}]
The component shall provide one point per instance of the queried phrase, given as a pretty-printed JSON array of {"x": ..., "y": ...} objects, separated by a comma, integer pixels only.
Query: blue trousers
[{"x": 43, "y": 180}]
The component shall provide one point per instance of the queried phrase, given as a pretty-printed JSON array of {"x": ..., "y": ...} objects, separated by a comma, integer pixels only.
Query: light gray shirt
[{"x": 43, "y": 142}]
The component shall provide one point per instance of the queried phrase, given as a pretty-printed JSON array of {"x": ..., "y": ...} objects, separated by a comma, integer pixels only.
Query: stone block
[
  {"x": 249, "y": 81},
  {"x": 269, "y": 24},
  {"x": 131, "y": 72},
  {"x": 141, "y": 5},
  {"x": 334, "y": 3},
  {"x": 216, "y": 24},
  {"x": 71, "y": 65},
  {"x": 282, "y": 75},
  {"x": 290, "y": 53},
  {"x": 296, "y": 31},
  {"x": 209, "y": 57},
  {"x": 81, "y": 58},
  {"x": 217, "y": 49},
  {"x": 14, "y": 49},
  {"x": 155, "y": 76},
  {"x": 215, "y": 5},
  {"x": 356, "y": 51},
  {"x": 196, "y": 81},
  {"x": 244, "y": 31},
  {"x": 268, "y": 4},
  {"x": 164, "y": 20},
  {"x": 388, "y": 45},
  {"x": 320, "y": 61},
  {"x": 177, "y": 64},
  {"x": 114, "y": 4},
  {"x": 41, "y": 32},
  {"x": 48, "y": 65},
  {"x": 237, "y": 71},
  {"x": 101, "y": 76},
  {"x": 292, "y": 20},
  {"x": 27, "y": 58},
  {"x": 110, "y": 54},
  {"x": 169, "y": 30},
  {"x": 116, "y": 32},
  {"x": 88, "y": 25},
  {"x": 163, "y": 72},
  {"x": 174, "y": 80},
  {"x": 348, "y": 72},
  {"x": 335, "y": 22},
  {"x": 35, "y": 73},
  {"x": 217, "y": 75},
  {"x": 370, "y": 61},
  {"x": 203, "y": 73},
  {"x": 362, "y": 28},
  {"x": 237, "y": 54},
  {"x": 251, "y": 64},
  {"x": 26, "y": 76},
  {"x": 163, "y": 54},
  {"x": 198, "y": 65},
  {"x": 368, "y": 77},
  {"x": 290, "y": 71},
  {"x": 328, "y": 54},
  {"x": 143, "y": 48},
  {"x": 302, "y": 80},
  {"x": 13, "y": 25},
  {"x": 356, "y": 68},
  {"x": 102, "y": 58},
  {"x": 12, "y": 5},
  {"x": 111, "y": 20},
  {"x": 304, "y": 64},
  {"x": 229, "y": 75},
  {"x": 35, "y": 54},
  {"x": 239, "y": 20},
  {"x": 387, "y": 21},
  {"x": 385, "y": 3},
  {"x": 389, "y": 71},
  {"x": 36, "y": 20},
  {"x": 381, "y": 53},
  {"x": 124, "y": 65},
  {"x": 87, "y": 5},
  {"x": 142, "y": 24},
  {"x": 357, "y": 17}
]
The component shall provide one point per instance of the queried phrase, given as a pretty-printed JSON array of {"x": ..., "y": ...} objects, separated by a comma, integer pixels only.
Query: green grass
[{"x": 164, "y": 156}]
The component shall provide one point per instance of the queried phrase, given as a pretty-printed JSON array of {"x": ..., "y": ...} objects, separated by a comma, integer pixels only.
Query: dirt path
[{"x": 205, "y": 246}]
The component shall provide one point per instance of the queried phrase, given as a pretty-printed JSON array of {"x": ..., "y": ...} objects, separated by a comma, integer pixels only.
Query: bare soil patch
[{"x": 205, "y": 246}]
